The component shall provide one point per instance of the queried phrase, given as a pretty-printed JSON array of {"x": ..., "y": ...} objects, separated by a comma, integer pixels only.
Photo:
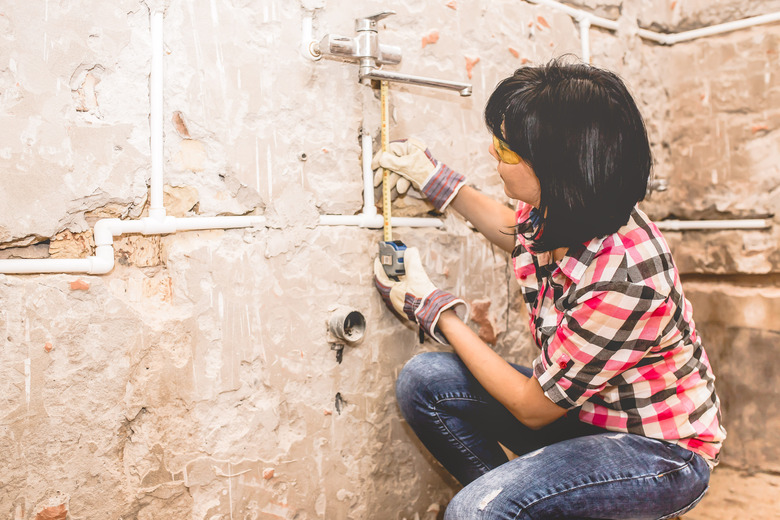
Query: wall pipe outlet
[{"x": 348, "y": 325}]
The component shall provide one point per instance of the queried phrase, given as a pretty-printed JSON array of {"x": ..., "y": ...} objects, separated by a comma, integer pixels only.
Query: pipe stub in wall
[{"x": 348, "y": 325}]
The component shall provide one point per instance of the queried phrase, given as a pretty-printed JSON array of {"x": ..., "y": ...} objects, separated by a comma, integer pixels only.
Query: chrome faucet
[{"x": 371, "y": 55}]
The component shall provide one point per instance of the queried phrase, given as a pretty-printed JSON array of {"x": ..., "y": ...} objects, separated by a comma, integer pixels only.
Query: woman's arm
[
  {"x": 490, "y": 217},
  {"x": 522, "y": 396}
]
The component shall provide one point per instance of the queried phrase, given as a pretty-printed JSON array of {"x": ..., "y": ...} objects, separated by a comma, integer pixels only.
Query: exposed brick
[
  {"x": 138, "y": 250},
  {"x": 71, "y": 245},
  {"x": 180, "y": 200},
  {"x": 431, "y": 37},
  {"x": 179, "y": 125},
  {"x": 481, "y": 316},
  {"x": 79, "y": 285},
  {"x": 58, "y": 512},
  {"x": 470, "y": 62}
]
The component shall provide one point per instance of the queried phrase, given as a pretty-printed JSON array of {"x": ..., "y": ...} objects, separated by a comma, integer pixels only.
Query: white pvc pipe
[
  {"x": 52, "y": 265},
  {"x": 307, "y": 41},
  {"x": 585, "y": 39},
  {"x": 377, "y": 221},
  {"x": 662, "y": 38},
  {"x": 369, "y": 206},
  {"x": 225, "y": 222},
  {"x": 722, "y": 28},
  {"x": 156, "y": 207},
  {"x": 683, "y": 225},
  {"x": 579, "y": 15}
]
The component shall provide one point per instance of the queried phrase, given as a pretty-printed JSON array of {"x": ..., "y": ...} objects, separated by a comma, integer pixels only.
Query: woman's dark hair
[{"x": 580, "y": 130}]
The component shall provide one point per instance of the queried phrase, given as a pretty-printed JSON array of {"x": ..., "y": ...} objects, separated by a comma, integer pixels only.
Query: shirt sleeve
[{"x": 607, "y": 331}]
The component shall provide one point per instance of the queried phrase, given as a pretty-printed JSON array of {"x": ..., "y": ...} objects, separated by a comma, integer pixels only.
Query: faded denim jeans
[{"x": 566, "y": 469}]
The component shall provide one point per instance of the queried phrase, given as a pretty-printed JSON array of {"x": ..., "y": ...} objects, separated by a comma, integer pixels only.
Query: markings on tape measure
[{"x": 386, "y": 211}]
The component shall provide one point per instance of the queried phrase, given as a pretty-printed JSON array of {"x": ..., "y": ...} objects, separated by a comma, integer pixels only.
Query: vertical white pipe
[
  {"x": 369, "y": 206},
  {"x": 156, "y": 208},
  {"x": 307, "y": 41},
  {"x": 585, "y": 39}
]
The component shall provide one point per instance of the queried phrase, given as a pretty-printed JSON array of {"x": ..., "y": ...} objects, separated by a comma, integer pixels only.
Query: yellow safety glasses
[{"x": 504, "y": 153}]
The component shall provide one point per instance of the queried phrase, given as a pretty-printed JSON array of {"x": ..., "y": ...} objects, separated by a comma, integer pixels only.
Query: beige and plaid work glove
[
  {"x": 415, "y": 297},
  {"x": 411, "y": 163}
]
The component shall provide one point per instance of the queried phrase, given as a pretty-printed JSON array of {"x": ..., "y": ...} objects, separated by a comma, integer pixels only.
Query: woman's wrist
[{"x": 447, "y": 320}]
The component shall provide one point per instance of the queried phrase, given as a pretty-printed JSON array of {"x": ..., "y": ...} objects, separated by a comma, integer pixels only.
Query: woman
[{"x": 618, "y": 418}]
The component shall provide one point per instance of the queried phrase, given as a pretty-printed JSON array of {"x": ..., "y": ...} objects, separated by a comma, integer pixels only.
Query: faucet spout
[{"x": 464, "y": 89}]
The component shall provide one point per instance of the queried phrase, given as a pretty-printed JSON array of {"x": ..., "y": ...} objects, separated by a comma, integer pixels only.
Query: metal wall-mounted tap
[{"x": 365, "y": 48}]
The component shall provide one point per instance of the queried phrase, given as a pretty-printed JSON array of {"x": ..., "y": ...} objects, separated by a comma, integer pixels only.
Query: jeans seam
[
  {"x": 524, "y": 509},
  {"x": 687, "y": 507},
  {"x": 469, "y": 453}
]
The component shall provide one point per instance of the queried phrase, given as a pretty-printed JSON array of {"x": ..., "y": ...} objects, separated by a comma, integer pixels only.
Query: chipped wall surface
[{"x": 197, "y": 379}]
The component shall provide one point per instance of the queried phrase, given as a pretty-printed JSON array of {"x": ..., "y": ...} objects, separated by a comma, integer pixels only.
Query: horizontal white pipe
[
  {"x": 663, "y": 38},
  {"x": 49, "y": 265},
  {"x": 377, "y": 221},
  {"x": 579, "y": 15},
  {"x": 682, "y": 225},
  {"x": 107, "y": 229},
  {"x": 722, "y": 28},
  {"x": 657, "y": 37},
  {"x": 225, "y": 222}
]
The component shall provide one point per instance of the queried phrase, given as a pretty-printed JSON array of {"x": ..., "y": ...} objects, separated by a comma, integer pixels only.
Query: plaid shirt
[{"x": 617, "y": 337}]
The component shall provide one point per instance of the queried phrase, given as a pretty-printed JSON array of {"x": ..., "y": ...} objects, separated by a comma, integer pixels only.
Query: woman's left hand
[{"x": 415, "y": 297}]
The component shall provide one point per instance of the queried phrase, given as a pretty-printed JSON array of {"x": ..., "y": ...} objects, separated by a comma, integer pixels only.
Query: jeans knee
[
  {"x": 413, "y": 387},
  {"x": 481, "y": 500},
  {"x": 462, "y": 506}
]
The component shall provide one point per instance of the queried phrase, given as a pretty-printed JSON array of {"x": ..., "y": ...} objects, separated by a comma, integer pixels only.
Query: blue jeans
[{"x": 566, "y": 469}]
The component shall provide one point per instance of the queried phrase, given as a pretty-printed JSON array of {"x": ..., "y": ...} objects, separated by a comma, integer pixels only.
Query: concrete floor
[{"x": 735, "y": 495}]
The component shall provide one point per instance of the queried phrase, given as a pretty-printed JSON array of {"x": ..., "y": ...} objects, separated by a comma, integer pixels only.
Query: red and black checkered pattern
[{"x": 617, "y": 336}]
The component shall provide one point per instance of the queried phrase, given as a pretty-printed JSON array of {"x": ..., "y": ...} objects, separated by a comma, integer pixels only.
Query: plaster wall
[{"x": 196, "y": 380}]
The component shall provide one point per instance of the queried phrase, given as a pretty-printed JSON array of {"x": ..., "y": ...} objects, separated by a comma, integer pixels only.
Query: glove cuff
[
  {"x": 426, "y": 311},
  {"x": 442, "y": 185}
]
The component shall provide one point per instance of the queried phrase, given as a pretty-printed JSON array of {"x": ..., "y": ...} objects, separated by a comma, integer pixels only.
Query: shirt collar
[{"x": 576, "y": 260}]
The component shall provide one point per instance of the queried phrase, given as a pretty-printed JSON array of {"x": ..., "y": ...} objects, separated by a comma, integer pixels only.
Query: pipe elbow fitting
[
  {"x": 154, "y": 226},
  {"x": 104, "y": 231},
  {"x": 103, "y": 261}
]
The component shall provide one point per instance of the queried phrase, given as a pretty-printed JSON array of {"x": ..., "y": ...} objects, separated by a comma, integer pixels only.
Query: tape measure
[{"x": 391, "y": 252}]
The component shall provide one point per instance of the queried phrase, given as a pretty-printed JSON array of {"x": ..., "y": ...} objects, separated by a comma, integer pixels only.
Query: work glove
[
  {"x": 415, "y": 297},
  {"x": 412, "y": 164}
]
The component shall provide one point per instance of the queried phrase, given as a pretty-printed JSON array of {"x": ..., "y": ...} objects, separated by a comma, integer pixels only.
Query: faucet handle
[{"x": 369, "y": 22}]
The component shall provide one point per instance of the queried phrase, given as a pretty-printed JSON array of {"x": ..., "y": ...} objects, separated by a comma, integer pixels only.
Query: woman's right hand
[{"x": 412, "y": 163}]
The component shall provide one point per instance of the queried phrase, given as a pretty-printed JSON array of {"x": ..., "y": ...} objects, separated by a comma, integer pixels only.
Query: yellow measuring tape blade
[{"x": 386, "y": 211}]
